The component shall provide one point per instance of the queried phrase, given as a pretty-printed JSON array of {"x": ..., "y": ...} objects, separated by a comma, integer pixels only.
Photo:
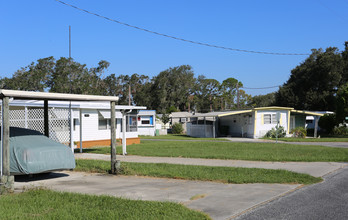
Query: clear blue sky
[{"x": 39, "y": 28}]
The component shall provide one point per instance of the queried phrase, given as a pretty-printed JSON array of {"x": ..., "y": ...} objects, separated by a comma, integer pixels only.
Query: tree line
[
  {"x": 320, "y": 82},
  {"x": 174, "y": 89}
]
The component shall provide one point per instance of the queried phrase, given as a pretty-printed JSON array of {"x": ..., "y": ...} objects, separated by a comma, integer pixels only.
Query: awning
[{"x": 105, "y": 113}]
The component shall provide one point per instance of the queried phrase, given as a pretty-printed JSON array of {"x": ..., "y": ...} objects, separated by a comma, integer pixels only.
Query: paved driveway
[{"x": 220, "y": 201}]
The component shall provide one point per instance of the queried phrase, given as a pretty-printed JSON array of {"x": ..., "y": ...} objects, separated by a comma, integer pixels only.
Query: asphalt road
[{"x": 326, "y": 200}]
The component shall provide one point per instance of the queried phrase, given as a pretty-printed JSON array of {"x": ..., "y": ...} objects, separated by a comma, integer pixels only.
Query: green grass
[
  {"x": 290, "y": 139},
  {"x": 204, "y": 173},
  {"x": 46, "y": 204},
  {"x": 233, "y": 151},
  {"x": 179, "y": 137}
]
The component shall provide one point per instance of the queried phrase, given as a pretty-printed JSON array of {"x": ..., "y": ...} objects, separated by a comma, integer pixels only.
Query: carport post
[
  {"x": 80, "y": 130},
  {"x": 6, "y": 180},
  {"x": 113, "y": 138},
  {"x": 46, "y": 127},
  {"x": 316, "y": 118}
]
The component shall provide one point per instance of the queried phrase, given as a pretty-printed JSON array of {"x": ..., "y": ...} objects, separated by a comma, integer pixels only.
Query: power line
[{"x": 180, "y": 39}]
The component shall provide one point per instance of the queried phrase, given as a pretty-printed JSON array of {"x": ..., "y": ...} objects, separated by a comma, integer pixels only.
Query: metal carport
[{"x": 6, "y": 180}]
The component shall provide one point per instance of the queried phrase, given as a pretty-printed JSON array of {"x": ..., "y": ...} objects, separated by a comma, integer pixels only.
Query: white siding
[
  {"x": 90, "y": 131},
  {"x": 262, "y": 128}
]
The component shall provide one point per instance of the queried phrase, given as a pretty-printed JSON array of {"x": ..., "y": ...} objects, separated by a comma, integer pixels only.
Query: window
[
  {"x": 269, "y": 119},
  {"x": 146, "y": 120},
  {"x": 103, "y": 124}
]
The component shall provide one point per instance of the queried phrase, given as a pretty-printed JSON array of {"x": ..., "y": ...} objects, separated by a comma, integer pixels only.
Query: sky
[{"x": 35, "y": 29}]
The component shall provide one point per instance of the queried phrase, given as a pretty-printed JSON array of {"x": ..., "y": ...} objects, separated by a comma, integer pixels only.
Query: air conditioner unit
[{"x": 182, "y": 119}]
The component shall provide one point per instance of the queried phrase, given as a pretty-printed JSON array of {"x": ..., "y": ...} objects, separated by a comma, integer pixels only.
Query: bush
[
  {"x": 299, "y": 132},
  {"x": 327, "y": 122},
  {"x": 177, "y": 128},
  {"x": 340, "y": 130},
  {"x": 277, "y": 131}
]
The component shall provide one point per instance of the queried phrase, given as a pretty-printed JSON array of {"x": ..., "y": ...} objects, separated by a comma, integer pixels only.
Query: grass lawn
[
  {"x": 46, "y": 204},
  {"x": 290, "y": 139},
  {"x": 179, "y": 137},
  {"x": 232, "y": 150},
  {"x": 204, "y": 173}
]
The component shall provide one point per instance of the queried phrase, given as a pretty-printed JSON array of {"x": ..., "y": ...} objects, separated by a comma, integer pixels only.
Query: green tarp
[{"x": 31, "y": 152}]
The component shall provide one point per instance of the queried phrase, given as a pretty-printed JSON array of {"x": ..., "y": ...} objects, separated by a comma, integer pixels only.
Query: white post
[
  {"x": 205, "y": 128},
  {"x": 214, "y": 120},
  {"x": 124, "y": 139},
  {"x": 26, "y": 117},
  {"x": 71, "y": 129},
  {"x": 80, "y": 130}
]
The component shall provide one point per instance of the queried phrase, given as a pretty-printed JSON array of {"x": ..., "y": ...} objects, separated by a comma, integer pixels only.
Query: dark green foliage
[
  {"x": 342, "y": 103},
  {"x": 165, "y": 118},
  {"x": 299, "y": 132},
  {"x": 327, "y": 122},
  {"x": 263, "y": 100},
  {"x": 174, "y": 89},
  {"x": 278, "y": 131},
  {"x": 313, "y": 84},
  {"x": 177, "y": 128}
]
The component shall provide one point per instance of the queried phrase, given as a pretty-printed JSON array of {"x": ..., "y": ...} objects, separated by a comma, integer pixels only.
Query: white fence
[{"x": 33, "y": 118}]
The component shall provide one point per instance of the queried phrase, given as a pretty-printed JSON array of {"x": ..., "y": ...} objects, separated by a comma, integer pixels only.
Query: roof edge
[
  {"x": 54, "y": 96},
  {"x": 307, "y": 112},
  {"x": 273, "y": 107}
]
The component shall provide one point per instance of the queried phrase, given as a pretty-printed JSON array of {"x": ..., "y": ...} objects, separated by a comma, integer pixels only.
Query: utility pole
[
  {"x": 71, "y": 119},
  {"x": 237, "y": 95},
  {"x": 129, "y": 94}
]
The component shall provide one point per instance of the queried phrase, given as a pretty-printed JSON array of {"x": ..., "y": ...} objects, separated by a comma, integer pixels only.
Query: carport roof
[
  {"x": 228, "y": 113},
  {"x": 54, "y": 96},
  {"x": 220, "y": 114}
]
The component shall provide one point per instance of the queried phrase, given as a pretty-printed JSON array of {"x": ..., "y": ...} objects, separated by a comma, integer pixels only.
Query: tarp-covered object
[{"x": 31, "y": 152}]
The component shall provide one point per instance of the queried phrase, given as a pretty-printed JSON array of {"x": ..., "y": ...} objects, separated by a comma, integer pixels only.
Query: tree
[
  {"x": 229, "y": 92},
  {"x": 262, "y": 100},
  {"x": 342, "y": 103},
  {"x": 313, "y": 84},
  {"x": 207, "y": 90},
  {"x": 31, "y": 78},
  {"x": 172, "y": 87}
]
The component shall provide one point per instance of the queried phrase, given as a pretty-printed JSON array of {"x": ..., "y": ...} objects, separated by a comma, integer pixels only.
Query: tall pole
[
  {"x": 71, "y": 119},
  {"x": 129, "y": 94},
  {"x": 69, "y": 41},
  {"x": 237, "y": 95}
]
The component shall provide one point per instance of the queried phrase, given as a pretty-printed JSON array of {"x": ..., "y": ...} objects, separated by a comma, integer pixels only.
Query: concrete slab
[
  {"x": 220, "y": 201},
  {"x": 316, "y": 169}
]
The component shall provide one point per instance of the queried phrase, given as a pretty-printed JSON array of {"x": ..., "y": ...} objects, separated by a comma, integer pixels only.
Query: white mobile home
[
  {"x": 147, "y": 122},
  {"x": 252, "y": 123},
  {"x": 94, "y": 117}
]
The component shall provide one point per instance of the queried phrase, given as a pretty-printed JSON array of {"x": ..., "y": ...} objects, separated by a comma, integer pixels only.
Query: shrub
[
  {"x": 177, "y": 128},
  {"x": 340, "y": 130},
  {"x": 327, "y": 122},
  {"x": 299, "y": 132},
  {"x": 277, "y": 131}
]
